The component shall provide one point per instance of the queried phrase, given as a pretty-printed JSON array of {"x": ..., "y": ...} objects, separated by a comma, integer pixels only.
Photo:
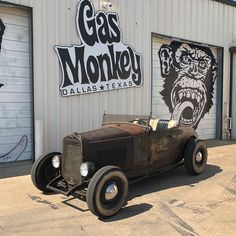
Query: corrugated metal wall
[{"x": 203, "y": 21}]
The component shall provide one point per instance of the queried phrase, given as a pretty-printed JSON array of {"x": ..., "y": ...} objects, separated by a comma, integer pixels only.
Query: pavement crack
[
  {"x": 230, "y": 188},
  {"x": 216, "y": 203},
  {"x": 179, "y": 224},
  {"x": 195, "y": 209},
  {"x": 81, "y": 228}
]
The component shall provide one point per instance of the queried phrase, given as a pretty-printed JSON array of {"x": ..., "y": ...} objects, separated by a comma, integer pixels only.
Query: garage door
[
  {"x": 184, "y": 84},
  {"x": 15, "y": 85}
]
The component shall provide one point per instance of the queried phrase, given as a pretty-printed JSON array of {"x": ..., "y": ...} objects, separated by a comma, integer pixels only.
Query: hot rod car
[{"x": 100, "y": 164}]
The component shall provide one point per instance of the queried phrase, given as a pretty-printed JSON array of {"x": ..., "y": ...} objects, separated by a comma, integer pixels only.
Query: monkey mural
[
  {"x": 2, "y": 29},
  {"x": 189, "y": 73}
]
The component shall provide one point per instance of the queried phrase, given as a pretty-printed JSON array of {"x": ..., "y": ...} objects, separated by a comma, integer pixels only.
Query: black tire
[
  {"x": 96, "y": 194},
  {"x": 43, "y": 172},
  {"x": 195, "y": 156}
]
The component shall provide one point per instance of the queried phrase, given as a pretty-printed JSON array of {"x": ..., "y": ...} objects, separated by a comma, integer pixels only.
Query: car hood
[{"x": 112, "y": 131}]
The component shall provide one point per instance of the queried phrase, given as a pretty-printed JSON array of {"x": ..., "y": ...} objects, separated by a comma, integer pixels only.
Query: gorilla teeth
[
  {"x": 187, "y": 121},
  {"x": 183, "y": 96},
  {"x": 188, "y": 94},
  {"x": 195, "y": 112}
]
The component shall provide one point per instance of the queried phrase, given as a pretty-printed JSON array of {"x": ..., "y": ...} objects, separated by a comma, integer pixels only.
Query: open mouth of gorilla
[{"x": 188, "y": 105}]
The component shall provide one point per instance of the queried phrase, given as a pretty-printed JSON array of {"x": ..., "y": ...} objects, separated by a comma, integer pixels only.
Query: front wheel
[
  {"x": 43, "y": 172},
  {"x": 195, "y": 156},
  {"x": 107, "y": 191}
]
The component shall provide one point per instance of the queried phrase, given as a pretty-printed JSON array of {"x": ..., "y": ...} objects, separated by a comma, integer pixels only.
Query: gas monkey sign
[{"x": 102, "y": 62}]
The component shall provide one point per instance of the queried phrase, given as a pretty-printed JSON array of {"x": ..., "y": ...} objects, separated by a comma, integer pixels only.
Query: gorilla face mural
[
  {"x": 2, "y": 29},
  {"x": 189, "y": 73}
]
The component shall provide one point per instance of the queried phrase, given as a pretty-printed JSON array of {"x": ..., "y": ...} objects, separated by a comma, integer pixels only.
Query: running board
[{"x": 162, "y": 170}]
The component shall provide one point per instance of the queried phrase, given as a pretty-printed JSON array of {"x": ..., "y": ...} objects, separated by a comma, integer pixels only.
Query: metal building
[{"x": 64, "y": 62}]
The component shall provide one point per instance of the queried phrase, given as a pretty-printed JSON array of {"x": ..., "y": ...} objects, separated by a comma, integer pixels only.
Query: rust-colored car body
[{"x": 130, "y": 143}]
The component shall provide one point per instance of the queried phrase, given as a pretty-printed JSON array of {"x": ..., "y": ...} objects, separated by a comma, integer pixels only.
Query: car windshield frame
[{"x": 117, "y": 118}]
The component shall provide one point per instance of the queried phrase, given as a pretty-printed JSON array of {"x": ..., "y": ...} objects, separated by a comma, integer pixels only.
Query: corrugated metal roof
[{"x": 229, "y": 2}]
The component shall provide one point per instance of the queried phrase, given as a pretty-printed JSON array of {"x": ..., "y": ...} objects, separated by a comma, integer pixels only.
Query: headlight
[
  {"x": 56, "y": 161},
  {"x": 86, "y": 169}
]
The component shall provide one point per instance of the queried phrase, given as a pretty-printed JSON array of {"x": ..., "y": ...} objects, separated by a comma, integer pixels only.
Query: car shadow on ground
[
  {"x": 173, "y": 178},
  {"x": 129, "y": 211}
]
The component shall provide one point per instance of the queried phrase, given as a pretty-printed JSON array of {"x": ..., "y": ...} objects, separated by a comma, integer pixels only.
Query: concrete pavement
[{"x": 172, "y": 203}]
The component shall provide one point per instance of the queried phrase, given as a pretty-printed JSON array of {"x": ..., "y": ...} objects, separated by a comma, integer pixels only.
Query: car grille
[{"x": 72, "y": 158}]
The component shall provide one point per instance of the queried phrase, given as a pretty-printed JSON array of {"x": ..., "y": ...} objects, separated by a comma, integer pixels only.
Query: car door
[
  {"x": 141, "y": 153},
  {"x": 165, "y": 146}
]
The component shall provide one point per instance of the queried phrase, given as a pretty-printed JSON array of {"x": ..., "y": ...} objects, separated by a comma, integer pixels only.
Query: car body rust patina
[{"x": 100, "y": 164}]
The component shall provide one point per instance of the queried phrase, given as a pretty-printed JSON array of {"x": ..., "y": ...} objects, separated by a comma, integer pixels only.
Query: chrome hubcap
[
  {"x": 111, "y": 191},
  {"x": 199, "y": 157}
]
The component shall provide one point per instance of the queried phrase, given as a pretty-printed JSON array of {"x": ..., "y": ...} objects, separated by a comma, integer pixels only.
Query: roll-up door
[
  {"x": 15, "y": 85},
  {"x": 184, "y": 84}
]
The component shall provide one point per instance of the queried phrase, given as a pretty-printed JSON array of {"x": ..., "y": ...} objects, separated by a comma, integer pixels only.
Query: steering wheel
[{"x": 143, "y": 123}]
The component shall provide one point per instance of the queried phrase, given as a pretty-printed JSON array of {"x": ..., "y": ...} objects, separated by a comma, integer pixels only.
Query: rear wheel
[
  {"x": 107, "y": 191},
  {"x": 195, "y": 156},
  {"x": 43, "y": 172}
]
